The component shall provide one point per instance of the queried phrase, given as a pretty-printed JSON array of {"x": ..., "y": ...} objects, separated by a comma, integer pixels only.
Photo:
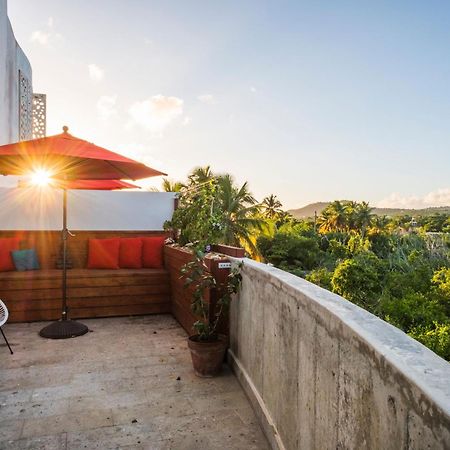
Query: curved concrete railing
[{"x": 323, "y": 373}]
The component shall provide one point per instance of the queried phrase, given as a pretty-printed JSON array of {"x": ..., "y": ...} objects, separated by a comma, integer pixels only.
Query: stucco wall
[
  {"x": 12, "y": 59},
  {"x": 35, "y": 209},
  {"x": 324, "y": 374}
]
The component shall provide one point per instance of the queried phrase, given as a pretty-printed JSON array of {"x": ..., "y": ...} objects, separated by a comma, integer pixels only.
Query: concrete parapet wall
[{"x": 323, "y": 373}]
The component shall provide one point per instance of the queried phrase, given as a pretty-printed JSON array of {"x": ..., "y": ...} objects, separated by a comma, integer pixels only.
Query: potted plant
[{"x": 207, "y": 345}]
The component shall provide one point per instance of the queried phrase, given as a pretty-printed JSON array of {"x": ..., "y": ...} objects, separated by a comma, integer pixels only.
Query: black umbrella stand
[{"x": 64, "y": 328}]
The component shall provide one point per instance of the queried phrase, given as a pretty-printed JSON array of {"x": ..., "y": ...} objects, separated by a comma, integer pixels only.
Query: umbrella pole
[
  {"x": 64, "y": 328},
  {"x": 65, "y": 233}
]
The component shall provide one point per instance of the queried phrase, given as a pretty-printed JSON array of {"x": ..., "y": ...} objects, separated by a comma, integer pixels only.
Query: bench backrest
[{"x": 48, "y": 244}]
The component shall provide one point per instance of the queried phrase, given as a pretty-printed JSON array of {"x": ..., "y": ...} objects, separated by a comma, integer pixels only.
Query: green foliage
[
  {"x": 436, "y": 338},
  {"x": 397, "y": 268},
  {"x": 441, "y": 281},
  {"x": 412, "y": 310},
  {"x": 290, "y": 251},
  {"x": 434, "y": 223},
  {"x": 346, "y": 216},
  {"x": 196, "y": 220},
  {"x": 387, "y": 265},
  {"x": 441, "y": 288},
  {"x": 212, "y": 209},
  {"x": 197, "y": 276},
  {"x": 381, "y": 244},
  {"x": 321, "y": 277},
  {"x": 338, "y": 250},
  {"x": 358, "y": 244},
  {"x": 359, "y": 279}
]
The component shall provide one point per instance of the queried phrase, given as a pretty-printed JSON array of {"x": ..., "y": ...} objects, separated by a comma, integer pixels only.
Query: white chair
[{"x": 3, "y": 318}]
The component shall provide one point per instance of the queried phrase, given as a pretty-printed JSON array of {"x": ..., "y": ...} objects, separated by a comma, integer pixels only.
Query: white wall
[
  {"x": 12, "y": 59},
  {"x": 41, "y": 209}
]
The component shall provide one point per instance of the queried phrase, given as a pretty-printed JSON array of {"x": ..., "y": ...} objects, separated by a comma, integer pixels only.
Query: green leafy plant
[
  {"x": 359, "y": 279},
  {"x": 212, "y": 209},
  {"x": 197, "y": 276},
  {"x": 436, "y": 338}
]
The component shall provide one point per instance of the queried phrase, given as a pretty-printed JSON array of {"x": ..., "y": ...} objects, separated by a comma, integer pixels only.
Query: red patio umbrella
[
  {"x": 95, "y": 185},
  {"x": 99, "y": 185},
  {"x": 66, "y": 157}
]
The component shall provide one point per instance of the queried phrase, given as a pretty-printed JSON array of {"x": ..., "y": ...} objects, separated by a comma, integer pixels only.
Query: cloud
[
  {"x": 253, "y": 89},
  {"x": 439, "y": 197},
  {"x": 95, "y": 72},
  {"x": 207, "y": 98},
  {"x": 156, "y": 113},
  {"x": 106, "y": 106},
  {"x": 47, "y": 37},
  {"x": 41, "y": 37}
]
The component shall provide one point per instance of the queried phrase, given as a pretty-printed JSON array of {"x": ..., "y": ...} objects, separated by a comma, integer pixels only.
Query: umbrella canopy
[
  {"x": 65, "y": 156},
  {"x": 98, "y": 185}
]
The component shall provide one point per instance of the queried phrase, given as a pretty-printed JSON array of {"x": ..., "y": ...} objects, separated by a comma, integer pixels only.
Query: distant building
[{"x": 17, "y": 101}]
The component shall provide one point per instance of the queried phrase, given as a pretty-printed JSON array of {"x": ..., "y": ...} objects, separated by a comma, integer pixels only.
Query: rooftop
[{"x": 129, "y": 383}]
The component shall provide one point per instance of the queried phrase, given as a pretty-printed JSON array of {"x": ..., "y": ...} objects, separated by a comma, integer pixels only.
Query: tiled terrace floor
[{"x": 128, "y": 384}]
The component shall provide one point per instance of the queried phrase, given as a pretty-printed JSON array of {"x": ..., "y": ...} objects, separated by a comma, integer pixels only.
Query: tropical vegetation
[
  {"x": 398, "y": 268},
  {"x": 395, "y": 268},
  {"x": 213, "y": 209}
]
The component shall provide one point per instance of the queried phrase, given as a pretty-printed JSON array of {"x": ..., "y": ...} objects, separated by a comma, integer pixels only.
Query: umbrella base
[{"x": 63, "y": 329}]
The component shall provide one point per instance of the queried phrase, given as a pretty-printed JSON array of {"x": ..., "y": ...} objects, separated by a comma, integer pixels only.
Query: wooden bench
[{"x": 36, "y": 295}]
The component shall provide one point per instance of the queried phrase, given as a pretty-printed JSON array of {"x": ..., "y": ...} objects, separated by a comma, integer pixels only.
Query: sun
[{"x": 41, "y": 178}]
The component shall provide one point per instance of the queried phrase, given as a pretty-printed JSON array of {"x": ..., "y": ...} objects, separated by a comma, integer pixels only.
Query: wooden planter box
[{"x": 175, "y": 258}]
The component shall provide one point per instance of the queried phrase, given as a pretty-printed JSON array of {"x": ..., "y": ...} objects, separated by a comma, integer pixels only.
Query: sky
[{"x": 307, "y": 100}]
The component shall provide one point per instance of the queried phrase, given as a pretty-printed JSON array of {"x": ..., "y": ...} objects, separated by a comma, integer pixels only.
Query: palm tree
[
  {"x": 363, "y": 216},
  {"x": 240, "y": 214},
  {"x": 379, "y": 224},
  {"x": 172, "y": 186},
  {"x": 333, "y": 218},
  {"x": 351, "y": 209},
  {"x": 200, "y": 175},
  {"x": 271, "y": 207}
]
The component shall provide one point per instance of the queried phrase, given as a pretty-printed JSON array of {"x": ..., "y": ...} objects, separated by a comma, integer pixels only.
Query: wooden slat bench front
[{"x": 36, "y": 295}]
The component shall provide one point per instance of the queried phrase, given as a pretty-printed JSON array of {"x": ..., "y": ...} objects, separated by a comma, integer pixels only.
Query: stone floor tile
[
  {"x": 51, "y": 442},
  {"x": 14, "y": 395},
  {"x": 115, "y": 437},
  {"x": 10, "y": 429},
  {"x": 30, "y": 409},
  {"x": 128, "y": 384},
  {"x": 67, "y": 422}
]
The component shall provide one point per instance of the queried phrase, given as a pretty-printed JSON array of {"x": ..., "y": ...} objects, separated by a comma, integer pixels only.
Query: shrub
[
  {"x": 338, "y": 250},
  {"x": 381, "y": 244},
  {"x": 289, "y": 251},
  {"x": 436, "y": 338},
  {"x": 357, "y": 244},
  {"x": 441, "y": 288},
  {"x": 359, "y": 279},
  {"x": 415, "y": 309},
  {"x": 321, "y": 277}
]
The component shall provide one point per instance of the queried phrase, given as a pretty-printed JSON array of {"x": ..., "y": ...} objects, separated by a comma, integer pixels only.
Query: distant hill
[{"x": 308, "y": 211}]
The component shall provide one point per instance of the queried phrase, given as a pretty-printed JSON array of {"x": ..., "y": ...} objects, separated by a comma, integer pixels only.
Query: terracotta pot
[{"x": 207, "y": 357}]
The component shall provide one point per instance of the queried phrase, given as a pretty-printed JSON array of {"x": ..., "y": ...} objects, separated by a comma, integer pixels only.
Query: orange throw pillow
[
  {"x": 130, "y": 253},
  {"x": 152, "y": 252},
  {"x": 8, "y": 245},
  {"x": 103, "y": 253}
]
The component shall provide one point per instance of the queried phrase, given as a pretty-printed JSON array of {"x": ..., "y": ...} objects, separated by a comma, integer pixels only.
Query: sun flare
[{"x": 41, "y": 178}]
